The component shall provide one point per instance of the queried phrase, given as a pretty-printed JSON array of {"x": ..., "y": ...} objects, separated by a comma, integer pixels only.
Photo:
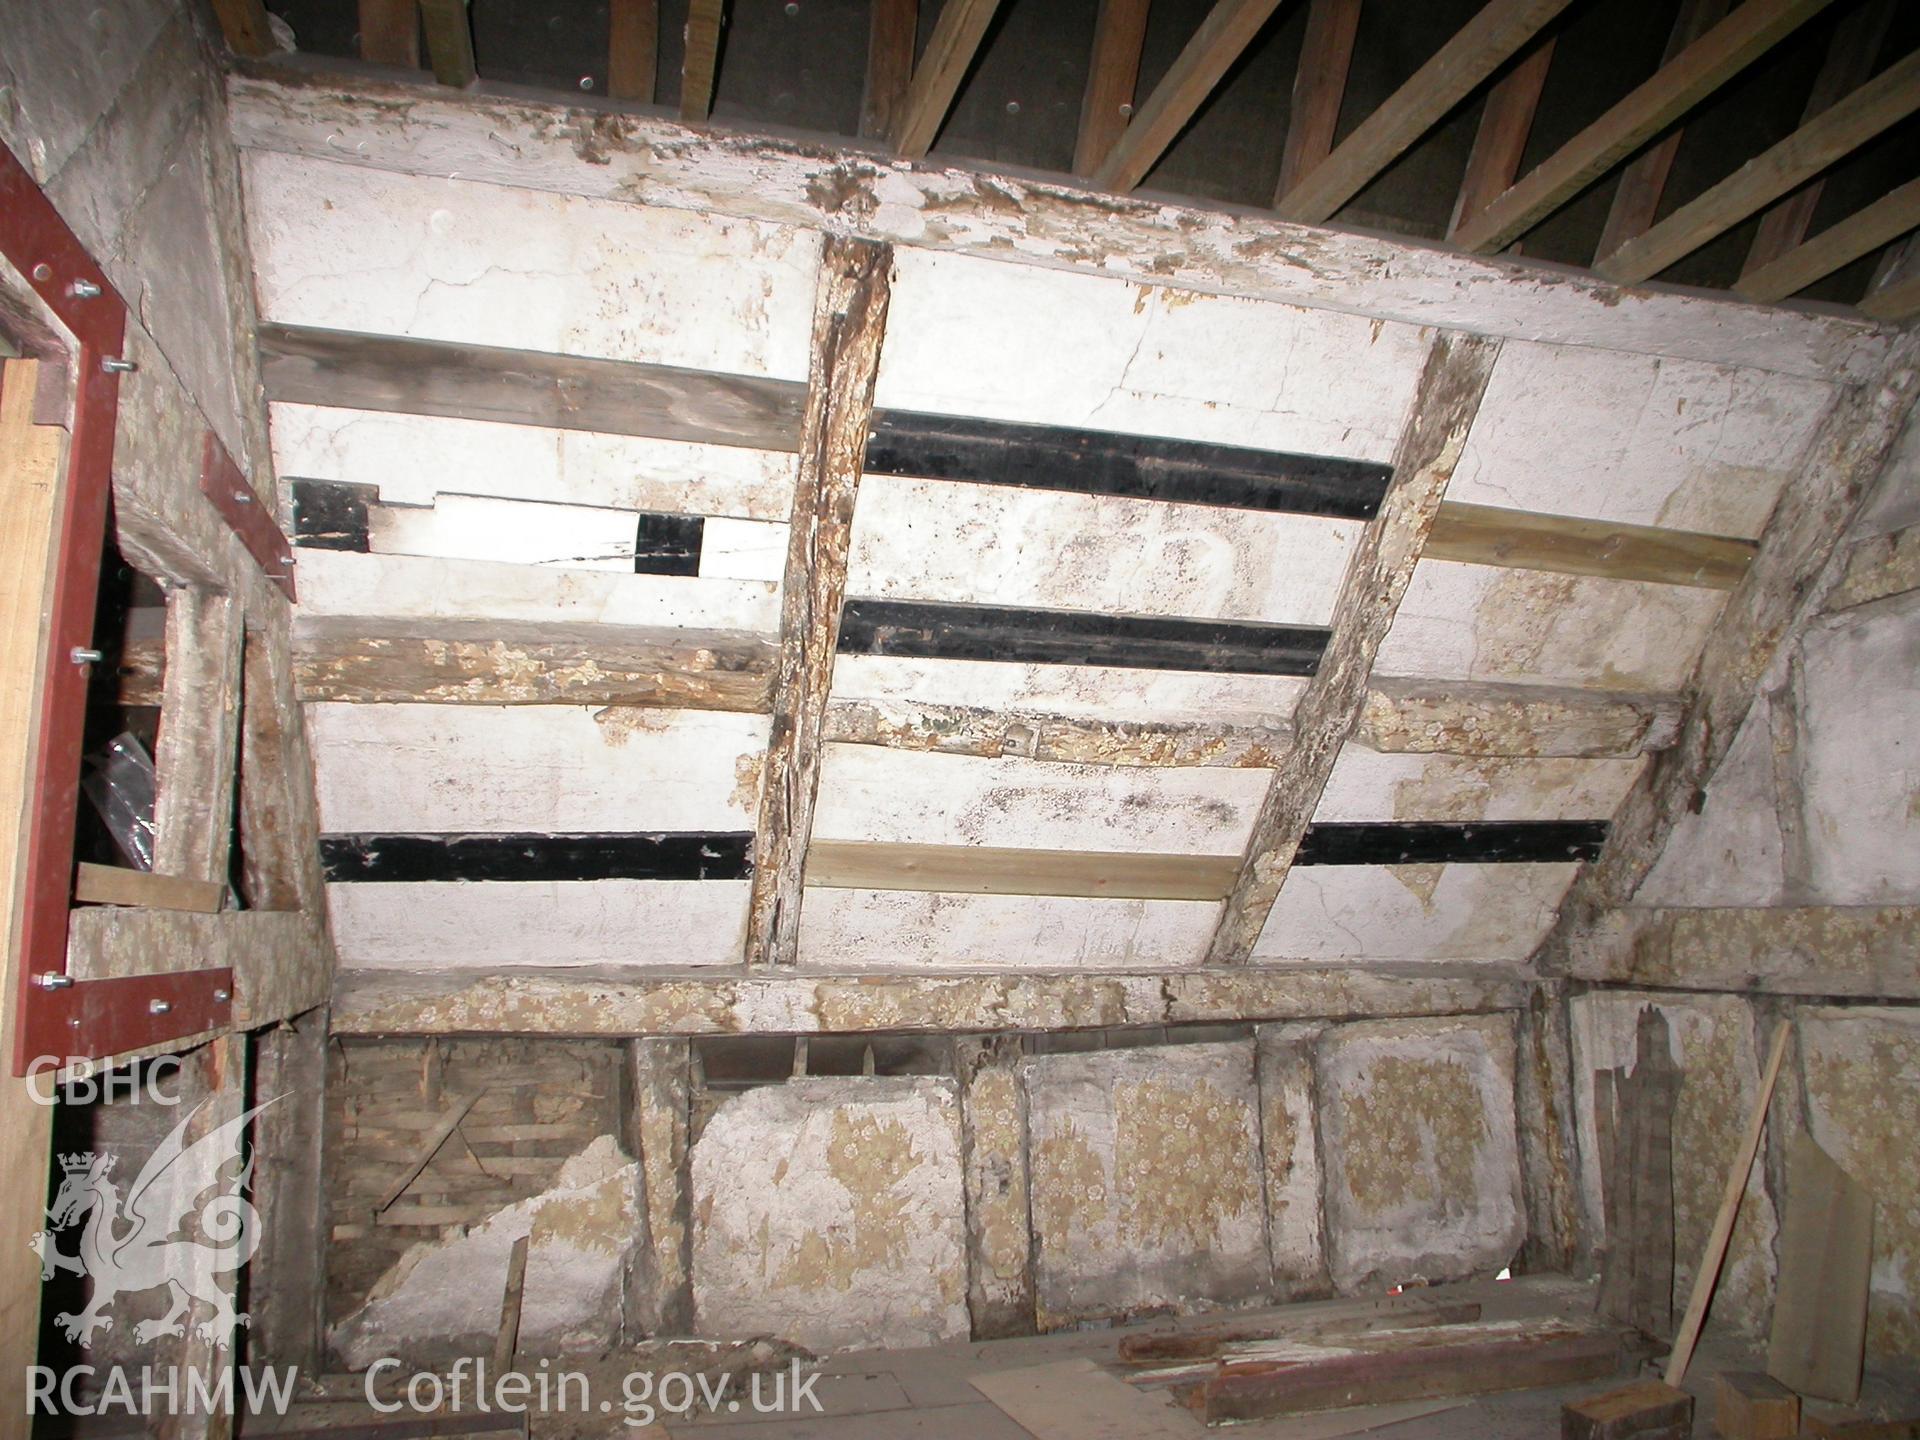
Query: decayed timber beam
[
  {"x": 1861, "y": 233},
  {"x": 1227, "y": 31},
  {"x": 1565, "y": 545},
  {"x": 590, "y": 1002},
  {"x": 849, "y": 322},
  {"x": 1069, "y": 739},
  {"x": 1444, "y": 407},
  {"x": 1434, "y": 717},
  {"x": 1716, "y": 57},
  {"x": 1119, "y": 36},
  {"x": 390, "y": 32},
  {"x": 1837, "y": 132},
  {"x": 449, "y": 41},
  {"x": 1794, "y": 571},
  {"x": 699, "y": 58},
  {"x": 1496, "y": 33},
  {"x": 891, "y": 26},
  {"x": 950, "y": 50},
  {"x": 1319, "y": 85},
  {"x": 633, "y": 49},
  {"x": 1814, "y": 950},
  {"x": 1501, "y": 141}
]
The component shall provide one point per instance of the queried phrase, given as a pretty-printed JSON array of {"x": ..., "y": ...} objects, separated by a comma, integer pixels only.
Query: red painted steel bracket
[
  {"x": 57, "y": 1015},
  {"x": 223, "y": 484}
]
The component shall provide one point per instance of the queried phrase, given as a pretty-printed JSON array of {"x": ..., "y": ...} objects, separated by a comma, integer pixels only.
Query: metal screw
[
  {"x": 53, "y": 980},
  {"x": 159, "y": 1007},
  {"x": 1127, "y": 111},
  {"x": 84, "y": 290},
  {"x": 83, "y": 656},
  {"x": 118, "y": 367},
  {"x": 792, "y": 8},
  {"x": 221, "y": 997},
  {"x": 245, "y": 497},
  {"x": 586, "y": 82}
]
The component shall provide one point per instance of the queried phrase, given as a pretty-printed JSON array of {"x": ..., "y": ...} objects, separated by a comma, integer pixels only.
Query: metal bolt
[
  {"x": 83, "y": 656},
  {"x": 1126, "y": 111},
  {"x": 159, "y": 1007},
  {"x": 245, "y": 497},
  {"x": 84, "y": 290},
  {"x": 221, "y": 997},
  {"x": 118, "y": 367},
  {"x": 53, "y": 980},
  {"x": 586, "y": 82}
]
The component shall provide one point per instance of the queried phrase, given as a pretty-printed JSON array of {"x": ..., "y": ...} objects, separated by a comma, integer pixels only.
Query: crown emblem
[{"x": 80, "y": 1163}]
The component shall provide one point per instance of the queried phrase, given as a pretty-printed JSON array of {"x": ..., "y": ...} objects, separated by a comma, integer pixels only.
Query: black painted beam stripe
[
  {"x": 1101, "y": 462},
  {"x": 926, "y": 630},
  {"x": 1473, "y": 842},
  {"x": 332, "y": 514},
  {"x": 668, "y": 544},
  {"x": 654, "y": 855}
]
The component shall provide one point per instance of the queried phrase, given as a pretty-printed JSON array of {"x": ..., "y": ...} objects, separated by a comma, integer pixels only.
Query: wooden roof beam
[
  {"x": 633, "y": 50},
  {"x": 1881, "y": 103},
  {"x": 701, "y": 56},
  {"x": 936, "y": 81},
  {"x": 390, "y": 32},
  {"x": 1226, "y": 32},
  {"x": 1119, "y": 35},
  {"x": 1862, "y": 232},
  {"x": 1319, "y": 85},
  {"x": 244, "y": 23},
  {"x": 892, "y": 27},
  {"x": 1501, "y": 140},
  {"x": 449, "y": 41},
  {"x": 1736, "y": 42},
  {"x": 1495, "y": 35}
]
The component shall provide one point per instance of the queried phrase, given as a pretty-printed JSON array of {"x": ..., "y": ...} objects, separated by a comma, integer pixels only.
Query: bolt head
[{"x": 159, "y": 1007}]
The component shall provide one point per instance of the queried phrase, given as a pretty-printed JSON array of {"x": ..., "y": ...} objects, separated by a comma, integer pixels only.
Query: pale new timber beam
[
  {"x": 199, "y": 736},
  {"x": 950, "y": 50},
  {"x": 1564, "y": 545},
  {"x": 702, "y": 54},
  {"x": 992, "y": 870},
  {"x": 1501, "y": 140},
  {"x": 1866, "y": 230},
  {"x": 1448, "y": 717},
  {"x": 1881, "y": 103},
  {"x": 633, "y": 49},
  {"x": 585, "y": 1002},
  {"x": 1851, "y": 52},
  {"x": 891, "y": 31},
  {"x": 1798, "y": 564},
  {"x": 1636, "y": 200},
  {"x": 1119, "y": 34},
  {"x": 1319, "y": 85},
  {"x": 390, "y": 32},
  {"x": 1716, "y": 57},
  {"x": 1227, "y": 31},
  {"x": 1813, "y": 950},
  {"x": 449, "y": 41},
  {"x": 244, "y": 23},
  {"x": 1896, "y": 289},
  {"x": 1495, "y": 35},
  {"x": 849, "y": 322},
  {"x": 1444, "y": 406}
]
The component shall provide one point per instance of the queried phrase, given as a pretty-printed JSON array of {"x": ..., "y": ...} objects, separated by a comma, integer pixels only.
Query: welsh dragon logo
[{"x": 146, "y": 1244}]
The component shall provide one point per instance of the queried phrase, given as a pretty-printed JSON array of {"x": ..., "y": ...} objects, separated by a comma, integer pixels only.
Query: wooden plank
[
  {"x": 279, "y": 867},
  {"x": 1226, "y": 32},
  {"x": 1071, "y": 739},
  {"x": 1896, "y": 291},
  {"x": 1501, "y": 141},
  {"x": 244, "y": 23},
  {"x": 449, "y": 1122},
  {"x": 1707, "y": 1274},
  {"x": 633, "y": 49},
  {"x": 1752, "y": 1406},
  {"x": 943, "y": 65},
  {"x": 507, "y": 1338},
  {"x": 1851, "y": 52},
  {"x": 850, "y": 321},
  {"x": 1077, "y": 1400},
  {"x": 449, "y": 42},
  {"x": 1881, "y": 103},
  {"x": 1498, "y": 31},
  {"x": 1429, "y": 717},
  {"x": 113, "y": 885},
  {"x": 390, "y": 33},
  {"x": 1867, "y": 229},
  {"x": 1644, "y": 1410},
  {"x": 992, "y": 870},
  {"x": 1565, "y": 545},
  {"x": 1214, "y": 1344},
  {"x": 522, "y": 387},
  {"x": 892, "y": 29},
  {"x": 1113, "y": 74},
  {"x": 1319, "y": 85},
  {"x": 195, "y": 770},
  {"x": 1736, "y": 42},
  {"x": 1636, "y": 200},
  {"x": 700, "y": 58},
  {"x": 1826, "y": 1260},
  {"x": 1443, "y": 411}
]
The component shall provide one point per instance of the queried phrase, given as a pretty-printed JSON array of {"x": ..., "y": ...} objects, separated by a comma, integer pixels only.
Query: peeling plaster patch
[
  {"x": 1290, "y": 1152},
  {"x": 831, "y": 1213},
  {"x": 1862, "y": 1072},
  {"x": 442, "y": 1298},
  {"x": 1422, "y": 1160},
  {"x": 1146, "y": 1180}
]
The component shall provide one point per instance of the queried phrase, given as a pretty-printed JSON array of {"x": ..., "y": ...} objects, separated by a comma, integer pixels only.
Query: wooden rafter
[
  {"x": 1716, "y": 57},
  {"x": 449, "y": 41},
  {"x": 1835, "y": 133},
  {"x": 891, "y": 27},
  {"x": 1227, "y": 31},
  {"x": 390, "y": 32},
  {"x": 1444, "y": 407},
  {"x": 1319, "y": 85},
  {"x": 633, "y": 49},
  {"x": 1850, "y": 55},
  {"x": 244, "y": 23},
  {"x": 1498, "y": 32},
  {"x": 700, "y": 57},
  {"x": 1501, "y": 140},
  {"x": 1119, "y": 35},
  {"x": 950, "y": 50},
  {"x": 1896, "y": 288},
  {"x": 849, "y": 322},
  {"x": 1636, "y": 200},
  {"x": 1861, "y": 233}
]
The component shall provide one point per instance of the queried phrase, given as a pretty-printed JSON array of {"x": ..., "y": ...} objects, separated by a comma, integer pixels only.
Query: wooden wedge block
[
  {"x": 1646, "y": 1410},
  {"x": 1752, "y": 1406}
]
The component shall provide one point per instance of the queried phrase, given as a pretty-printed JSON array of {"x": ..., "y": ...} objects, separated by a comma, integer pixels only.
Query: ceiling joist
[
  {"x": 633, "y": 49},
  {"x": 702, "y": 55},
  {"x": 1119, "y": 35},
  {"x": 892, "y": 27},
  {"x": 1861, "y": 233},
  {"x": 390, "y": 32},
  {"x": 1501, "y": 141},
  {"x": 1319, "y": 85},
  {"x": 449, "y": 41},
  {"x": 950, "y": 50}
]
